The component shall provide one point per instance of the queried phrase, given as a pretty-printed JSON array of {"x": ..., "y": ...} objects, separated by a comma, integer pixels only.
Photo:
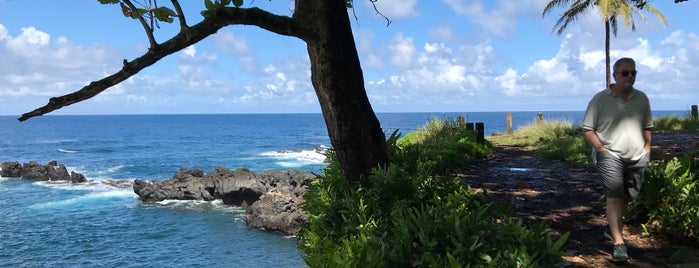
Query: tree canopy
[{"x": 610, "y": 11}]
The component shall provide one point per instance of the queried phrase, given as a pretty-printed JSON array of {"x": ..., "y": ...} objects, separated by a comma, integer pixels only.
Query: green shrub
[
  {"x": 669, "y": 202},
  {"x": 675, "y": 123},
  {"x": 406, "y": 215},
  {"x": 441, "y": 146}
]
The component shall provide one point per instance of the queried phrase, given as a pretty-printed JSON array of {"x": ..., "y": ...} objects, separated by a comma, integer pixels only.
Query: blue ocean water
[{"x": 88, "y": 225}]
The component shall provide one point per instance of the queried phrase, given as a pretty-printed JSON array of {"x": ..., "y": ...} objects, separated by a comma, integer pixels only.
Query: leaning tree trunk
[{"x": 354, "y": 130}]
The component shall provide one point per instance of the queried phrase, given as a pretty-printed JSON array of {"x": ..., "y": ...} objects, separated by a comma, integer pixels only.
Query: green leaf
[
  {"x": 208, "y": 4},
  {"x": 164, "y": 14},
  {"x": 237, "y": 3},
  {"x": 104, "y": 2},
  {"x": 139, "y": 12}
]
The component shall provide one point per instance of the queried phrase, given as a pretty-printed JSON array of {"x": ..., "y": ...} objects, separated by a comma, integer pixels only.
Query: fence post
[
  {"x": 469, "y": 126},
  {"x": 508, "y": 120},
  {"x": 539, "y": 118},
  {"x": 695, "y": 113},
  {"x": 480, "y": 132}
]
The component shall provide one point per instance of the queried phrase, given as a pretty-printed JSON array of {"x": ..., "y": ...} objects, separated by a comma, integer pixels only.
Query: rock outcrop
[
  {"x": 34, "y": 171},
  {"x": 271, "y": 199}
]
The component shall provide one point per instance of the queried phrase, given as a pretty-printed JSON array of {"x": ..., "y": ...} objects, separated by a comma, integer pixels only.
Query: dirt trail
[{"x": 570, "y": 199}]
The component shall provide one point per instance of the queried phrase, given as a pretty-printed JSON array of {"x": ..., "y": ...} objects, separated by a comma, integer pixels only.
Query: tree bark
[{"x": 355, "y": 132}]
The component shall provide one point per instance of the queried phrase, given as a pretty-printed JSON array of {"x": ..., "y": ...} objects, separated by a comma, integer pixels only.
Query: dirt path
[{"x": 569, "y": 199}]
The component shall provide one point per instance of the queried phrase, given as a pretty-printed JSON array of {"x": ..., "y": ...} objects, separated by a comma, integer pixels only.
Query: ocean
[{"x": 58, "y": 224}]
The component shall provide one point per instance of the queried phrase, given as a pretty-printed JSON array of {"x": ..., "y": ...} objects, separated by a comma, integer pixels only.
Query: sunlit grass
[
  {"x": 561, "y": 140},
  {"x": 551, "y": 139},
  {"x": 675, "y": 123}
]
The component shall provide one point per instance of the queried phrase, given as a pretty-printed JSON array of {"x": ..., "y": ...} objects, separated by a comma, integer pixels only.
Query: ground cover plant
[{"x": 412, "y": 214}]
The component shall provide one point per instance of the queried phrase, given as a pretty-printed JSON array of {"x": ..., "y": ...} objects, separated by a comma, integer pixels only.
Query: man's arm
[
  {"x": 593, "y": 140},
  {"x": 646, "y": 139}
]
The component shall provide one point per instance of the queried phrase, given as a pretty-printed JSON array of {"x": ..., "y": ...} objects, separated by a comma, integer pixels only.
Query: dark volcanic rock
[
  {"x": 271, "y": 199},
  {"x": 34, "y": 171},
  {"x": 278, "y": 212}
]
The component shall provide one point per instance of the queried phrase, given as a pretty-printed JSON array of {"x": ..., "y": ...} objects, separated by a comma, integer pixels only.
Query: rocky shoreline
[{"x": 271, "y": 199}]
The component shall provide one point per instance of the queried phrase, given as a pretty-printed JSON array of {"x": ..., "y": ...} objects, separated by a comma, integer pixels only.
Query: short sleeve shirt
[{"x": 619, "y": 124}]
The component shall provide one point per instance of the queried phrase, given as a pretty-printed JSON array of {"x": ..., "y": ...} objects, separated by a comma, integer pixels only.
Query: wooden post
[
  {"x": 480, "y": 132},
  {"x": 539, "y": 118},
  {"x": 508, "y": 121},
  {"x": 695, "y": 113},
  {"x": 469, "y": 126}
]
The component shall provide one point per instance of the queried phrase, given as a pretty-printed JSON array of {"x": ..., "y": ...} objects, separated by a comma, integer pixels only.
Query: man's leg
[{"x": 616, "y": 208}]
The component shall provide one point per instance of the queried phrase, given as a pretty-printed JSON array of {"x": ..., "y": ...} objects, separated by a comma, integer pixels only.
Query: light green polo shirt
[{"x": 619, "y": 124}]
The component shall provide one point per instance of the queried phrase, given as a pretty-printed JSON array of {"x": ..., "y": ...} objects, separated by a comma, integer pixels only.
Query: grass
[
  {"x": 550, "y": 139},
  {"x": 561, "y": 140},
  {"x": 676, "y": 124}
]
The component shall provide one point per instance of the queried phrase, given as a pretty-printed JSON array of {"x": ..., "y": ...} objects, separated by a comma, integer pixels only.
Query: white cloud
[
  {"x": 444, "y": 33},
  {"x": 29, "y": 43},
  {"x": 232, "y": 45},
  {"x": 34, "y": 65},
  {"x": 499, "y": 20},
  {"x": 395, "y": 9},
  {"x": 403, "y": 51},
  {"x": 190, "y": 51}
]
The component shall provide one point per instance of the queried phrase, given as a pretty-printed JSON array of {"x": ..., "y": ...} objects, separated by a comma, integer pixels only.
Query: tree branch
[
  {"x": 148, "y": 29},
  {"x": 180, "y": 15},
  {"x": 223, "y": 17}
]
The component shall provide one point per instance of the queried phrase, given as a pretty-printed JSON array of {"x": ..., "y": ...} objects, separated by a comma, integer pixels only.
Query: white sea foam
[
  {"x": 298, "y": 158},
  {"x": 67, "y": 151},
  {"x": 87, "y": 198},
  {"x": 116, "y": 168},
  {"x": 200, "y": 205},
  {"x": 101, "y": 185}
]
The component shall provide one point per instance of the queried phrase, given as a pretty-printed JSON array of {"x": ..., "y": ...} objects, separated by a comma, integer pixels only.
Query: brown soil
[{"x": 570, "y": 200}]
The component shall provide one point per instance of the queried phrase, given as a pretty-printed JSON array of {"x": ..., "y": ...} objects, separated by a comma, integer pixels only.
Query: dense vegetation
[{"x": 411, "y": 214}]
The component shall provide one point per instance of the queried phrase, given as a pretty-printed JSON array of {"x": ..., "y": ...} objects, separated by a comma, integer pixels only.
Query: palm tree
[{"x": 609, "y": 10}]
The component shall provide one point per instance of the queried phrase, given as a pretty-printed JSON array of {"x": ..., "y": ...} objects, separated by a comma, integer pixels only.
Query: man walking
[{"x": 617, "y": 124}]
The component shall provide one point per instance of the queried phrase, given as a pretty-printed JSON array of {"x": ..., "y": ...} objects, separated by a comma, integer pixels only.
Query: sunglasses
[{"x": 626, "y": 73}]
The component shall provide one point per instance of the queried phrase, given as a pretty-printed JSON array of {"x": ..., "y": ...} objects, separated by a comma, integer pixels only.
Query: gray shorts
[{"x": 620, "y": 179}]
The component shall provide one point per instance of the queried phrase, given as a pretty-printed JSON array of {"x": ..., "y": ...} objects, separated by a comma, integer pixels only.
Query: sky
[{"x": 434, "y": 56}]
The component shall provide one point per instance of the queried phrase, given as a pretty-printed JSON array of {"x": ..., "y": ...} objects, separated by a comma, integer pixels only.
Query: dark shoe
[{"x": 620, "y": 253}]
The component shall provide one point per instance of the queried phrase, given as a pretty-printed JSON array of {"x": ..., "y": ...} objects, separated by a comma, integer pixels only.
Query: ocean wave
[
  {"x": 87, "y": 198},
  {"x": 101, "y": 185},
  {"x": 116, "y": 168},
  {"x": 300, "y": 157},
  {"x": 200, "y": 205},
  {"x": 67, "y": 151}
]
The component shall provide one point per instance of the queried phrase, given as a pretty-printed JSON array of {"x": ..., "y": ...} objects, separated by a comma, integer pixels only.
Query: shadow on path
[{"x": 569, "y": 199}]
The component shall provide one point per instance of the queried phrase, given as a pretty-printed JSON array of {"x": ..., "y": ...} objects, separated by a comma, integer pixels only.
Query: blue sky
[{"x": 435, "y": 56}]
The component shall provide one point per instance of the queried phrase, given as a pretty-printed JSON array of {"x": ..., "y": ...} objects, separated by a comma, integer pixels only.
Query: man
[{"x": 617, "y": 125}]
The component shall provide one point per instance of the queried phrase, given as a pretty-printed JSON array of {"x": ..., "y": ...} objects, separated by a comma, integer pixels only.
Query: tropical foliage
[
  {"x": 408, "y": 215},
  {"x": 670, "y": 199}
]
